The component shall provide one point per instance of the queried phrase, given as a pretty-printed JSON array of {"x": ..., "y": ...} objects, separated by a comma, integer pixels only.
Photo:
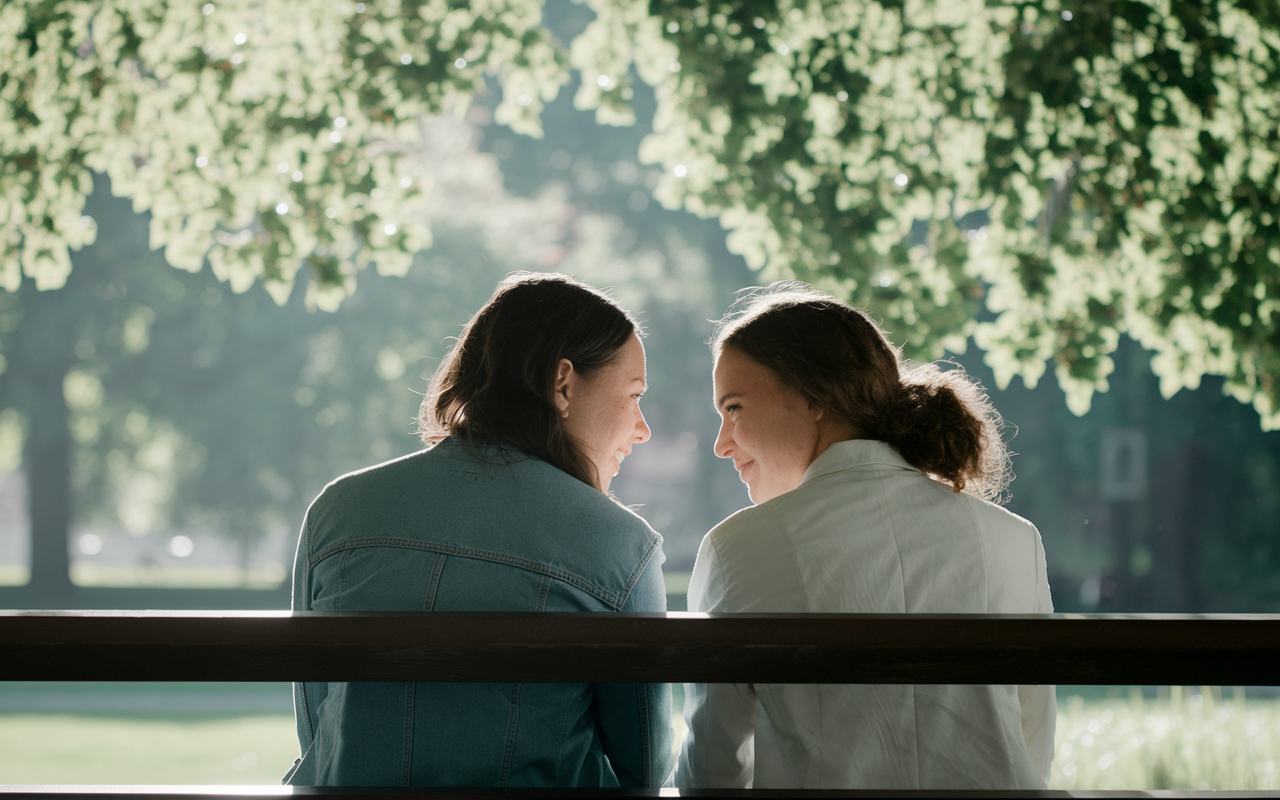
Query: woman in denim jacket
[{"x": 527, "y": 420}]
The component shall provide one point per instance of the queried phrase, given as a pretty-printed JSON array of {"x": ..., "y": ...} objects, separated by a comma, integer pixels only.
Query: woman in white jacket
[{"x": 872, "y": 481}]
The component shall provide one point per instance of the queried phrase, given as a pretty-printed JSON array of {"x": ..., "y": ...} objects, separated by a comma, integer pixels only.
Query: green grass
[
  {"x": 1184, "y": 741},
  {"x": 169, "y": 577},
  {"x": 168, "y": 748},
  {"x": 166, "y": 577}
]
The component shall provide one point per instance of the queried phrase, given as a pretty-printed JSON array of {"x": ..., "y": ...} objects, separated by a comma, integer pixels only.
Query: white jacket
[{"x": 865, "y": 532}]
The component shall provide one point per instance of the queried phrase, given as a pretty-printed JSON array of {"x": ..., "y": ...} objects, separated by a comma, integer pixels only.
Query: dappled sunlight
[{"x": 1183, "y": 741}]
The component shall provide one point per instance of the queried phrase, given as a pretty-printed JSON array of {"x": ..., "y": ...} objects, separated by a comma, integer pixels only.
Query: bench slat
[
  {"x": 757, "y": 648},
  {"x": 356, "y": 793}
]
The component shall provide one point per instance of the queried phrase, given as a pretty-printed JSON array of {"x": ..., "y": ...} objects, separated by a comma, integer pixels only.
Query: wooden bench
[{"x": 1231, "y": 650}]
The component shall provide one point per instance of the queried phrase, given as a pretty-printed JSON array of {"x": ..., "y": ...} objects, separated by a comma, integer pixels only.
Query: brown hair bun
[{"x": 940, "y": 421}]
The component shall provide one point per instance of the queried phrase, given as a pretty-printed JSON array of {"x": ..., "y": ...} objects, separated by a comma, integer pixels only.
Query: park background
[{"x": 163, "y": 429}]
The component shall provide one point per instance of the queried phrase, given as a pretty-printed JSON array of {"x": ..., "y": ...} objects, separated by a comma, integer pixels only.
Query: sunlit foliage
[
  {"x": 256, "y": 134},
  {"x": 1042, "y": 176},
  {"x": 1125, "y": 154}
]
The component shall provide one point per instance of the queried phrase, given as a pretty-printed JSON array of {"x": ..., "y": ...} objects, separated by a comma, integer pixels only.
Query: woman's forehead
[{"x": 739, "y": 373}]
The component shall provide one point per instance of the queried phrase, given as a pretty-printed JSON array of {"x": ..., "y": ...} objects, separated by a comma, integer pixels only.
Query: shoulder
[
  {"x": 497, "y": 503},
  {"x": 748, "y": 563},
  {"x": 481, "y": 480},
  {"x": 582, "y": 532},
  {"x": 744, "y": 525},
  {"x": 749, "y": 539},
  {"x": 990, "y": 515},
  {"x": 453, "y": 469},
  {"x": 371, "y": 482}
]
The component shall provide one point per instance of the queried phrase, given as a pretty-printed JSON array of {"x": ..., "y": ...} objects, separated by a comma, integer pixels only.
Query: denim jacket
[{"x": 449, "y": 529}]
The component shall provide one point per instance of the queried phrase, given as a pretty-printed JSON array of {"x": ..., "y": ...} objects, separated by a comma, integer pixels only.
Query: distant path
[{"x": 99, "y": 697}]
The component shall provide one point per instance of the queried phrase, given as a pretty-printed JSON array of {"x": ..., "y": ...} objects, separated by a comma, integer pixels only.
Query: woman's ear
[{"x": 566, "y": 378}]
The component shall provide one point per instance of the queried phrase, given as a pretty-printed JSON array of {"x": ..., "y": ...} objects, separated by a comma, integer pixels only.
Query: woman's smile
[
  {"x": 602, "y": 411},
  {"x": 766, "y": 427}
]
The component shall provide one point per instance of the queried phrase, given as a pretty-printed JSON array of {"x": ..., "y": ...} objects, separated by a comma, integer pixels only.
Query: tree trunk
[
  {"x": 1179, "y": 493},
  {"x": 47, "y": 457}
]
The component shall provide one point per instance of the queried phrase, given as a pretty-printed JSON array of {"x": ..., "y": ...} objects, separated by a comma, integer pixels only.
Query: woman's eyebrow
[{"x": 724, "y": 398}]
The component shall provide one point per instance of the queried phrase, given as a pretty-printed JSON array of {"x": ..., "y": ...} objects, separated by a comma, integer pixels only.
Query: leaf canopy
[{"x": 1041, "y": 176}]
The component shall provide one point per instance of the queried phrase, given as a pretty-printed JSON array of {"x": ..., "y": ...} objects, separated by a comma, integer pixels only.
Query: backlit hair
[
  {"x": 497, "y": 384},
  {"x": 839, "y": 360}
]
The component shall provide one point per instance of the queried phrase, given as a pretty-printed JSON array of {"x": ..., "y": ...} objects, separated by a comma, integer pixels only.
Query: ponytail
[
  {"x": 941, "y": 422},
  {"x": 945, "y": 426}
]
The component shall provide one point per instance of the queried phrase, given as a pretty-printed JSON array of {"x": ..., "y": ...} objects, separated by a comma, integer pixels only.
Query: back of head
[
  {"x": 497, "y": 383},
  {"x": 840, "y": 361}
]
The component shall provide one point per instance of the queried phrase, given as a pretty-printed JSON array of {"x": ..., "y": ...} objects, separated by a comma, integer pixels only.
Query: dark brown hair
[
  {"x": 840, "y": 361},
  {"x": 497, "y": 384}
]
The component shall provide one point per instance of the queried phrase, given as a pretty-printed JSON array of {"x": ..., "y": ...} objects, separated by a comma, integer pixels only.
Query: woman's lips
[{"x": 742, "y": 469}]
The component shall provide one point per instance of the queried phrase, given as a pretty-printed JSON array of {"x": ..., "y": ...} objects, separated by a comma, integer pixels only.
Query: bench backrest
[{"x": 1148, "y": 649}]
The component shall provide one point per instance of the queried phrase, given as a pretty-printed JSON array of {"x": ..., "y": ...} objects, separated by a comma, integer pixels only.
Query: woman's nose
[
  {"x": 724, "y": 441},
  {"x": 642, "y": 429}
]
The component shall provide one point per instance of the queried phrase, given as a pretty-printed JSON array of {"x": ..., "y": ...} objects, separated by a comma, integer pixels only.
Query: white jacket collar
[{"x": 852, "y": 454}]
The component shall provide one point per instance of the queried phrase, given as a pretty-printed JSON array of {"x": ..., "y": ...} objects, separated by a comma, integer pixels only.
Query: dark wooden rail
[
  {"x": 321, "y": 793},
  {"x": 808, "y": 648}
]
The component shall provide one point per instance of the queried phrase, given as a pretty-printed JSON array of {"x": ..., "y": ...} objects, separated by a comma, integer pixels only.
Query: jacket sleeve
[
  {"x": 634, "y": 719},
  {"x": 719, "y": 743},
  {"x": 1039, "y": 703},
  {"x": 306, "y": 696}
]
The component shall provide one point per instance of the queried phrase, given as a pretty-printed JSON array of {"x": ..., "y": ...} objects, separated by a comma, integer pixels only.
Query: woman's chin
[{"x": 762, "y": 493}]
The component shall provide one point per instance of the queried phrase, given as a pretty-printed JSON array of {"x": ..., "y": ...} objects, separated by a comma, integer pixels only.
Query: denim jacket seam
[
  {"x": 406, "y": 765},
  {"x": 564, "y": 753},
  {"x": 513, "y": 725},
  {"x": 433, "y": 585},
  {"x": 342, "y": 581},
  {"x": 305, "y": 701},
  {"x": 646, "y": 757},
  {"x": 615, "y": 599},
  {"x": 543, "y": 592},
  {"x": 654, "y": 546}
]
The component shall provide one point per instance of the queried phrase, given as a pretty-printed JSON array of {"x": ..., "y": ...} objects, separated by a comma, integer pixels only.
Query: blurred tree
[
  {"x": 1122, "y": 155},
  {"x": 1038, "y": 177},
  {"x": 1121, "y": 152},
  {"x": 180, "y": 405},
  {"x": 1190, "y": 528},
  {"x": 91, "y": 450},
  {"x": 256, "y": 134},
  {"x": 48, "y": 340}
]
